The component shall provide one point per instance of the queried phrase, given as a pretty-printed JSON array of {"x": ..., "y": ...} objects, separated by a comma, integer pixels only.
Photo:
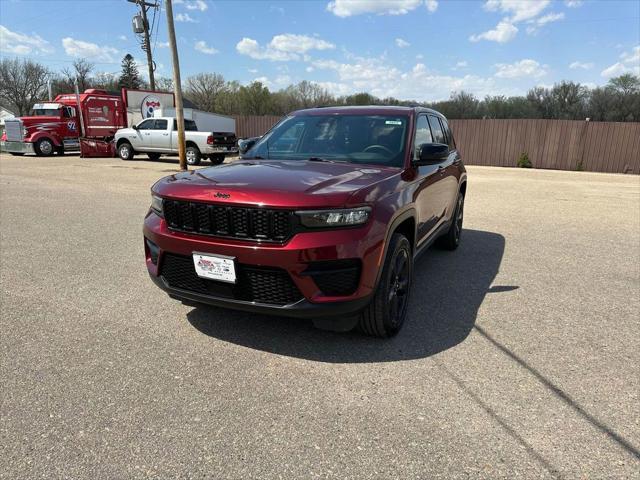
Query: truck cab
[{"x": 51, "y": 127}]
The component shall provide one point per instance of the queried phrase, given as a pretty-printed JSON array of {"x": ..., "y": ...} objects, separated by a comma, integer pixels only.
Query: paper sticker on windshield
[{"x": 393, "y": 122}]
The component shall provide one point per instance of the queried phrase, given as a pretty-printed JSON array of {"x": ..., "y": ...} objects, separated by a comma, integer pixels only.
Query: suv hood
[{"x": 292, "y": 184}]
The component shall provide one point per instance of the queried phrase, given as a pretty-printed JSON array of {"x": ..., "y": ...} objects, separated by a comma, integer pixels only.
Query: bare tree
[
  {"x": 82, "y": 70},
  {"x": 203, "y": 89},
  {"x": 22, "y": 83}
]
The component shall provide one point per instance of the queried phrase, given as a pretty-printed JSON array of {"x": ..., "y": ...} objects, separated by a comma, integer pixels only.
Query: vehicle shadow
[{"x": 448, "y": 289}]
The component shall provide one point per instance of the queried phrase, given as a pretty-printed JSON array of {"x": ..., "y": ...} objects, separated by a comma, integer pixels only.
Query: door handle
[
  {"x": 441, "y": 169},
  {"x": 165, "y": 134}
]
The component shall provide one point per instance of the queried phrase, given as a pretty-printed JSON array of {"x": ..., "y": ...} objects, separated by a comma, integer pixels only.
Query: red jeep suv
[{"x": 322, "y": 218}]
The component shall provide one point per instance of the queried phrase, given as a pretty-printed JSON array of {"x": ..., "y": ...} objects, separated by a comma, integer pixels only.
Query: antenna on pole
[{"x": 140, "y": 25}]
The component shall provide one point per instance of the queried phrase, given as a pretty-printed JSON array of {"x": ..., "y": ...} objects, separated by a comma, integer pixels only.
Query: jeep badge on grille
[{"x": 222, "y": 195}]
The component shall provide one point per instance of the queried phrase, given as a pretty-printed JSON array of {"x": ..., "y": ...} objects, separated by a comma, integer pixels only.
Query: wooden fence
[{"x": 612, "y": 147}]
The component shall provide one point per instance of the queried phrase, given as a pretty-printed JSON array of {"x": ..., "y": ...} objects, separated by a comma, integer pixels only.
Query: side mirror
[
  {"x": 135, "y": 127},
  {"x": 432, "y": 153},
  {"x": 245, "y": 145}
]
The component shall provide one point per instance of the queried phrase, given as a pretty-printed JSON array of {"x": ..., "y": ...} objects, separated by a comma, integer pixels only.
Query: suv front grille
[
  {"x": 254, "y": 284},
  {"x": 236, "y": 222}
]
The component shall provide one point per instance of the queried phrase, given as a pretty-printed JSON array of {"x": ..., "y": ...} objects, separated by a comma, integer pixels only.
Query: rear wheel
[
  {"x": 216, "y": 159},
  {"x": 153, "y": 156},
  {"x": 125, "y": 151},
  {"x": 386, "y": 313},
  {"x": 451, "y": 239},
  {"x": 193, "y": 155},
  {"x": 44, "y": 147}
]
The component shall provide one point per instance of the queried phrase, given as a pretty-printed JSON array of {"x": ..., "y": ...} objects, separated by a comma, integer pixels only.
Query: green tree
[
  {"x": 254, "y": 99},
  {"x": 130, "y": 77}
]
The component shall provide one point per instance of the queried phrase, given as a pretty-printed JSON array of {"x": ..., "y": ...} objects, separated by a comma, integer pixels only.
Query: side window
[
  {"x": 436, "y": 128},
  {"x": 160, "y": 125},
  {"x": 447, "y": 131},
  {"x": 423, "y": 135},
  {"x": 146, "y": 125}
]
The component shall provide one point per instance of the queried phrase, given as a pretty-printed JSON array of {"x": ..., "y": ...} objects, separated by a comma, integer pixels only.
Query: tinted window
[
  {"x": 423, "y": 134},
  {"x": 447, "y": 131},
  {"x": 160, "y": 125},
  {"x": 436, "y": 129},
  {"x": 146, "y": 125},
  {"x": 189, "y": 125},
  {"x": 354, "y": 138}
]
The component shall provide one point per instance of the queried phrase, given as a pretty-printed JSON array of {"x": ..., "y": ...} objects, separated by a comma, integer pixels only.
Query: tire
[
  {"x": 153, "y": 156},
  {"x": 216, "y": 159},
  {"x": 193, "y": 155},
  {"x": 125, "y": 151},
  {"x": 451, "y": 239},
  {"x": 44, "y": 147},
  {"x": 386, "y": 313}
]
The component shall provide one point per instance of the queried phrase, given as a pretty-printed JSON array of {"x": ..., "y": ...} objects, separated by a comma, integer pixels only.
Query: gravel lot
[{"x": 521, "y": 357}]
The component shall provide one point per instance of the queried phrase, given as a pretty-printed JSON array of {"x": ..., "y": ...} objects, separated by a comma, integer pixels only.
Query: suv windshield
[{"x": 368, "y": 139}]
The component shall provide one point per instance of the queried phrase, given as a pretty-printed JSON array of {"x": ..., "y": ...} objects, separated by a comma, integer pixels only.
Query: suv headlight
[
  {"x": 156, "y": 204},
  {"x": 334, "y": 218}
]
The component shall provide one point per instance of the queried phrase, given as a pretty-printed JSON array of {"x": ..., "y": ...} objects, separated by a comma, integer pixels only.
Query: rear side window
[
  {"x": 447, "y": 131},
  {"x": 436, "y": 129},
  {"x": 189, "y": 126},
  {"x": 423, "y": 135},
  {"x": 160, "y": 125}
]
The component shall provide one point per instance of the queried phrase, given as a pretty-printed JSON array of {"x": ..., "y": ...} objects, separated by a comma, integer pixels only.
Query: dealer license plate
[{"x": 215, "y": 267}]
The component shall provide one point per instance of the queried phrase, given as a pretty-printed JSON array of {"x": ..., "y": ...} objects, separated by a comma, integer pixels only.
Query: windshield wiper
[{"x": 320, "y": 159}]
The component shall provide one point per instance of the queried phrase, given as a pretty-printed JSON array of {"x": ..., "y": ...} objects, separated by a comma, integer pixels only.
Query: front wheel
[
  {"x": 44, "y": 147},
  {"x": 451, "y": 239},
  {"x": 125, "y": 151},
  {"x": 193, "y": 156},
  {"x": 386, "y": 313}
]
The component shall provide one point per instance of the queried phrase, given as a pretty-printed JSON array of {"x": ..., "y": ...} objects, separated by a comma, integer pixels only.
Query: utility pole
[
  {"x": 177, "y": 85},
  {"x": 146, "y": 46}
]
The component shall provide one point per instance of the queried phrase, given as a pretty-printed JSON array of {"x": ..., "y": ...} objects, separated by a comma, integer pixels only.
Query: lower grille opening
[
  {"x": 254, "y": 284},
  {"x": 335, "y": 277}
]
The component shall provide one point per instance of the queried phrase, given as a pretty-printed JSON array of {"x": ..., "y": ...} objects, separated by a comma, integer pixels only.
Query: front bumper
[
  {"x": 294, "y": 257},
  {"x": 16, "y": 147}
]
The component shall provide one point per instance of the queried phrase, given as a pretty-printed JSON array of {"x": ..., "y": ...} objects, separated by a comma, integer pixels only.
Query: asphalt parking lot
[{"x": 521, "y": 357}]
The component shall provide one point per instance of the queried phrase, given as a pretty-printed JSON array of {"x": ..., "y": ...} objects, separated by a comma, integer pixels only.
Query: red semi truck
[{"x": 89, "y": 120}]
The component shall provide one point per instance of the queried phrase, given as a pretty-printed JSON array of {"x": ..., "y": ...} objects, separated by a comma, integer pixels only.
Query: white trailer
[{"x": 206, "y": 121}]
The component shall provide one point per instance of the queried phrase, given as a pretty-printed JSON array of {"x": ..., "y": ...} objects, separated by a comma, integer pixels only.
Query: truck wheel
[
  {"x": 216, "y": 159},
  {"x": 44, "y": 147},
  {"x": 451, "y": 239},
  {"x": 193, "y": 156},
  {"x": 153, "y": 156},
  {"x": 386, "y": 313},
  {"x": 125, "y": 151}
]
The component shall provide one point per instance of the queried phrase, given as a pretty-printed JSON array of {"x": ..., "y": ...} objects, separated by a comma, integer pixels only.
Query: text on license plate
[{"x": 215, "y": 267}]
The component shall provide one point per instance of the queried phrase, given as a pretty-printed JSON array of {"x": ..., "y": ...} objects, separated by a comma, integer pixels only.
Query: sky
[{"x": 409, "y": 49}]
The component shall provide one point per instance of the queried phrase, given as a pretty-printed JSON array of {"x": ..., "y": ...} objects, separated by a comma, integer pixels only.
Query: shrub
[{"x": 523, "y": 161}]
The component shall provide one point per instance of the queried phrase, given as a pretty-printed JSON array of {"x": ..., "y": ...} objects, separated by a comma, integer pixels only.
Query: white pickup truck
[{"x": 159, "y": 136}]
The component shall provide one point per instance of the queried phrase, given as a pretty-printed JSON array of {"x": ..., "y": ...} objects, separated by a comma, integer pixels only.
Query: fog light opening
[{"x": 153, "y": 250}]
